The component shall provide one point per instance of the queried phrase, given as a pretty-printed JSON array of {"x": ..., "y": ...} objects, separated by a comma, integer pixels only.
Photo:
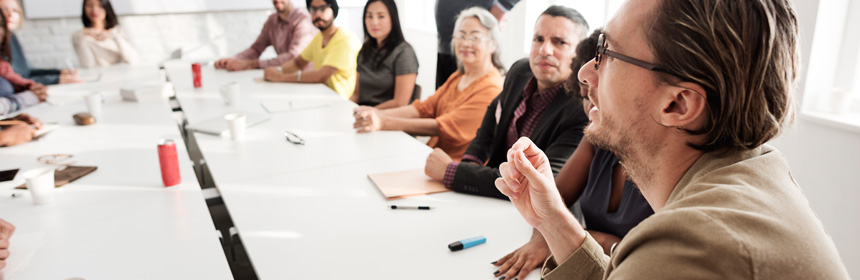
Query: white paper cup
[
  {"x": 40, "y": 182},
  {"x": 94, "y": 103},
  {"x": 236, "y": 123},
  {"x": 230, "y": 93}
]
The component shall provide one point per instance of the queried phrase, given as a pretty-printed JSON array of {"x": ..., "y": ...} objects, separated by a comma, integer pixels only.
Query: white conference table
[
  {"x": 310, "y": 212},
  {"x": 118, "y": 222},
  {"x": 322, "y": 118}
]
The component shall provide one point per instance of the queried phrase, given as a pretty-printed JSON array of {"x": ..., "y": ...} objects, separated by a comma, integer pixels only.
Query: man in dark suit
[{"x": 533, "y": 103}]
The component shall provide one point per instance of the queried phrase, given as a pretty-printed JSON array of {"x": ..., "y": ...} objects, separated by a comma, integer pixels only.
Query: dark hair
[
  {"x": 585, "y": 51},
  {"x": 395, "y": 37},
  {"x": 571, "y": 14},
  {"x": 332, "y": 3},
  {"x": 745, "y": 56},
  {"x": 110, "y": 17},
  {"x": 5, "y": 46}
]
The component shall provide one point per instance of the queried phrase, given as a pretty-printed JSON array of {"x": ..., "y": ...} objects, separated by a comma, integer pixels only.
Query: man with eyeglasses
[
  {"x": 446, "y": 14},
  {"x": 288, "y": 31},
  {"x": 687, "y": 96},
  {"x": 533, "y": 103},
  {"x": 333, "y": 52}
]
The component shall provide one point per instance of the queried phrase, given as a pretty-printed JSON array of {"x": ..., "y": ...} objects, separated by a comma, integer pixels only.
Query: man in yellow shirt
[{"x": 333, "y": 53}]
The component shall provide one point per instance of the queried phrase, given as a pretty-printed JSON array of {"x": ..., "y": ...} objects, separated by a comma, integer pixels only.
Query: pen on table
[
  {"x": 293, "y": 138},
  {"x": 264, "y": 108},
  {"x": 467, "y": 243},
  {"x": 410, "y": 207},
  {"x": 70, "y": 66}
]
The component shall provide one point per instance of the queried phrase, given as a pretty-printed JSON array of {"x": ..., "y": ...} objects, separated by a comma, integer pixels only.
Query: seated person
[
  {"x": 332, "y": 51},
  {"x": 11, "y": 9},
  {"x": 611, "y": 204},
  {"x": 20, "y": 132},
  {"x": 387, "y": 65},
  {"x": 453, "y": 114},
  {"x": 288, "y": 31},
  {"x": 18, "y": 91},
  {"x": 690, "y": 125},
  {"x": 101, "y": 42},
  {"x": 6, "y": 231},
  {"x": 533, "y": 103}
]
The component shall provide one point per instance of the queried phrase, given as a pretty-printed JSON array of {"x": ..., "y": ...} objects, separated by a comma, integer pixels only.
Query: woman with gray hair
[{"x": 453, "y": 114}]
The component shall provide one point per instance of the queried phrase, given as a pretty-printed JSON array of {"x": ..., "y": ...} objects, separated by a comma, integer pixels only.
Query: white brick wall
[{"x": 48, "y": 42}]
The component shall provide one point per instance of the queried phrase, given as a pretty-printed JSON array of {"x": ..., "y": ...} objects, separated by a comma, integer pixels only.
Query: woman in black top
[
  {"x": 611, "y": 205},
  {"x": 387, "y": 65}
]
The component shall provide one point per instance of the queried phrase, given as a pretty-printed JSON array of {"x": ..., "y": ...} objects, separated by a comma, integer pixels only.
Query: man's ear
[{"x": 684, "y": 106}]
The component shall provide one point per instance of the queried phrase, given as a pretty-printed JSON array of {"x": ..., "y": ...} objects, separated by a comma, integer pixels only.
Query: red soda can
[
  {"x": 169, "y": 161},
  {"x": 195, "y": 72}
]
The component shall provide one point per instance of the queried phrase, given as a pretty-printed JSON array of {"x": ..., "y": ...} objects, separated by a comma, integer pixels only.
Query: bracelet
[{"x": 299, "y": 78}]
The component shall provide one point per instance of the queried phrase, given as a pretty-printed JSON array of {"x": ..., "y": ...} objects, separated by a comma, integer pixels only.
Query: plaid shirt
[
  {"x": 525, "y": 119},
  {"x": 528, "y": 113}
]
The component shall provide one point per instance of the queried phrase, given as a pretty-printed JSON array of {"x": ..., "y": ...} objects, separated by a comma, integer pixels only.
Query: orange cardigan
[{"x": 459, "y": 113}]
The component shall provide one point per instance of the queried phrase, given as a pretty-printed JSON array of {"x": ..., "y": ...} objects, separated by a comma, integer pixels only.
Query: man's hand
[
  {"x": 527, "y": 180},
  {"x": 522, "y": 261},
  {"x": 29, "y": 120},
  {"x": 437, "y": 162},
  {"x": 222, "y": 63},
  {"x": 16, "y": 134},
  {"x": 6, "y": 231},
  {"x": 239, "y": 65},
  {"x": 40, "y": 90},
  {"x": 368, "y": 119},
  {"x": 272, "y": 74},
  {"x": 69, "y": 77}
]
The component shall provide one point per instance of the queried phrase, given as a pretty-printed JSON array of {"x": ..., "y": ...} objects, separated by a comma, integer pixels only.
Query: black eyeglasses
[
  {"x": 314, "y": 9},
  {"x": 602, "y": 50}
]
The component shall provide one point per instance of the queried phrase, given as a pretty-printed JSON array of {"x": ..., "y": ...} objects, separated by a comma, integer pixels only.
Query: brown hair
[
  {"x": 743, "y": 53},
  {"x": 5, "y": 46}
]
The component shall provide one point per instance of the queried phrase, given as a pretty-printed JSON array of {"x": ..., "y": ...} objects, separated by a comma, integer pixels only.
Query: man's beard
[
  {"x": 323, "y": 26},
  {"x": 631, "y": 144}
]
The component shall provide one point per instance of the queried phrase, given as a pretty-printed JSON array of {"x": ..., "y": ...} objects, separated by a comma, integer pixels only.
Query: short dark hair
[
  {"x": 571, "y": 14},
  {"x": 745, "y": 56},
  {"x": 332, "y": 3},
  {"x": 584, "y": 53},
  {"x": 110, "y": 17},
  {"x": 395, "y": 37}
]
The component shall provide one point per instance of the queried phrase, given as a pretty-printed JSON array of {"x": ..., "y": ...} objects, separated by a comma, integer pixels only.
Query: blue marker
[{"x": 466, "y": 243}]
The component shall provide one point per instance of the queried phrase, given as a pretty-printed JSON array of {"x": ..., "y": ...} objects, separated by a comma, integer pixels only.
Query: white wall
[
  {"x": 825, "y": 161},
  {"x": 47, "y": 42}
]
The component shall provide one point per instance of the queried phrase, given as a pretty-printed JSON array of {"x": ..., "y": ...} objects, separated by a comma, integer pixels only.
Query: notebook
[{"x": 402, "y": 184}]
